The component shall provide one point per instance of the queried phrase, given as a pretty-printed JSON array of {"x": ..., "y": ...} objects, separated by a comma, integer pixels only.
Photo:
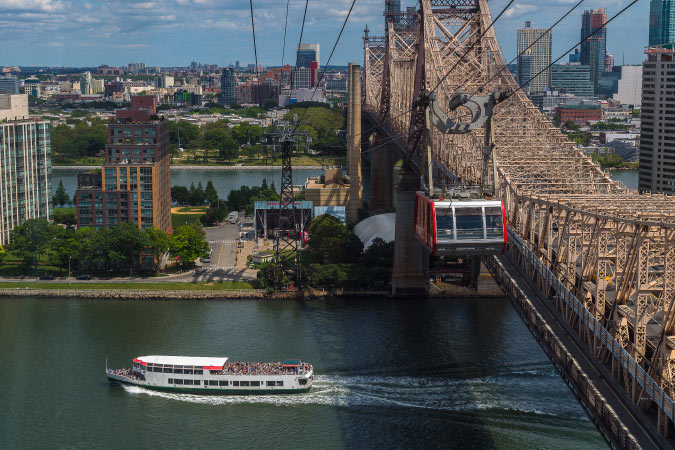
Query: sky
[{"x": 87, "y": 33}]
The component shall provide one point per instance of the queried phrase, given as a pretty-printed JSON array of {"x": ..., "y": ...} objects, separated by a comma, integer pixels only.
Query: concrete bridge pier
[
  {"x": 410, "y": 275},
  {"x": 381, "y": 177}
]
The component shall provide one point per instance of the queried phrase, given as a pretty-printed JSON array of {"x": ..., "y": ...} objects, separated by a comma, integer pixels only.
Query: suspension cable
[
  {"x": 528, "y": 47},
  {"x": 255, "y": 50},
  {"x": 283, "y": 50},
  {"x": 571, "y": 48},
  {"x": 478, "y": 39}
]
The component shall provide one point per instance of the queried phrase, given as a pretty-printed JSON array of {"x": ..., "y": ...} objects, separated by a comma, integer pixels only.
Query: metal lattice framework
[{"x": 612, "y": 247}]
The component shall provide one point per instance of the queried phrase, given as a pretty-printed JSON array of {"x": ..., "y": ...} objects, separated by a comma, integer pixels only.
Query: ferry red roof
[{"x": 212, "y": 363}]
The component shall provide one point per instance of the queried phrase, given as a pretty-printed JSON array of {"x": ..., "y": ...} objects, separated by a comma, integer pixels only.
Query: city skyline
[{"x": 173, "y": 33}]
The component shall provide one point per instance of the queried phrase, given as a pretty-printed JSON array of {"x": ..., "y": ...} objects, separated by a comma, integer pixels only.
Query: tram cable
[
  {"x": 520, "y": 88},
  {"x": 478, "y": 39},
  {"x": 337, "y": 40},
  {"x": 480, "y": 89},
  {"x": 283, "y": 50}
]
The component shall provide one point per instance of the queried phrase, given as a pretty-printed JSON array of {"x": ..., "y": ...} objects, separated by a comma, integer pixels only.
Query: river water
[
  {"x": 223, "y": 180},
  {"x": 391, "y": 374}
]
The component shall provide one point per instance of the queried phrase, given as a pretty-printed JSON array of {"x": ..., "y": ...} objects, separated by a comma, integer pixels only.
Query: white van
[{"x": 233, "y": 217}]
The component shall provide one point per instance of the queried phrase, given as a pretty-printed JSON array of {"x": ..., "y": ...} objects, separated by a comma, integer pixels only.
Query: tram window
[
  {"x": 444, "y": 228},
  {"x": 223, "y": 383},
  {"x": 235, "y": 383},
  {"x": 469, "y": 223},
  {"x": 177, "y": 381},
  {"x": 494, "y": 223}
]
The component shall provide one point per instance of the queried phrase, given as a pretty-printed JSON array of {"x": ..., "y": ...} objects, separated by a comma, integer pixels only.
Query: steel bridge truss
[{"x": 612, "y": 247}]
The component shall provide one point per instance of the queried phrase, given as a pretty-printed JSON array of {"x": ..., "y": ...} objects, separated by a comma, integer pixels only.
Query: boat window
[
  {"x": 255, "y": 383},
  {"x": 243, "y": 383},
  {"x": 213, "y": 382},
  {"x": 168, "y": 370},
  {"x": 177, "y": 381},
  {"x": 270, "y": 383},
  {"x": 469, "y": 223},
  {"x": 444, "y": 227},
  {"x": 223, "y": 383},
  {"x": 170, "y": 380},
  {"x": 197, "y": 382},
  {"x": 280, "y": 383},
  {"x": 199, "y": 372},
  {"x": 156, "y": 369},
  {"x": 302, "y": 381},
  {"x": 494, "y": 223},
  {"x": 235, "y": 383},
  {"x": 189, "y": 371},
  {"x": 177, "y": 370},
  {"x": 188, "y": 382}
]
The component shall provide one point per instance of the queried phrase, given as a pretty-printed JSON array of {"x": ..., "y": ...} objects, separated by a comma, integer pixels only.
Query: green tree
[
  {"x": 246, "y": 133},
  {"x": 210, "y": 193},
  {"x": 65, "y": 216},
  {"x": 66, "y": 247},
  {"x": 189, "y": 134},
  {"x": 30, "y": 240},
  {"x": 128, "y": 243},
  {"x": 221, "y": 140},
  {"x": 180, "y": 195},
  {"x": 271, "y": 104},
  {"x": 61, "y": 196},
  {"x": 331, "y": 242},
  {"x": 197, "y": 195},
  {"x": 216, "y": 213},
  {"x": 187, "y": 245},
  {"x": 158, "y": 242}
]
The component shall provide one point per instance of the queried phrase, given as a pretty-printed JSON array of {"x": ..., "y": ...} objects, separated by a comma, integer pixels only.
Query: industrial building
[{"x": 572, "y": 79}]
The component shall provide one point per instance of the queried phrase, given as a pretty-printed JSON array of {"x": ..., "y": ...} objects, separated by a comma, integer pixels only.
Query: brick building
[
  {"x": 134, "y": 184},
  {"x": 580, "y": 114}
]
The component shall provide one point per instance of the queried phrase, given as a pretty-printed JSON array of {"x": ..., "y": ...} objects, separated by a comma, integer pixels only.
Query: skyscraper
[
  {"x": 227, "y": 87},
  {"x": 661, "y": 22},
  {"x": 657, "y": 150},
  {"x": 86, "y": 87},
  {"x": 594, "y": 49},
  {"x": 26, "y": 168},
  {"x": 306, "y": 54},
  {"x": 540, "y": 53},
  {"x": 9, "y": 84}
]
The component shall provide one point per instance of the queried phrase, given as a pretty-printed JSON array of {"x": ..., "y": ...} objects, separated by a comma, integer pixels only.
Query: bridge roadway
[{"x": 620, "y": 422}]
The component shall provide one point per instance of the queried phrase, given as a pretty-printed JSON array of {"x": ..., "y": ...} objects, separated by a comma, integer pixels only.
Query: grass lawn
[
  {"x": 193, "y": 209},
  {"x": 225, "y": 285},
  {"x": 178, "y": 219}
]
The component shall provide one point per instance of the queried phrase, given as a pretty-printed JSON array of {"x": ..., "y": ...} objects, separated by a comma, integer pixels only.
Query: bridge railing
[{"x": 627, "y": 362}]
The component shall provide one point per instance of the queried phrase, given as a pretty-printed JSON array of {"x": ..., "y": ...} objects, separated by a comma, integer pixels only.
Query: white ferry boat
[{"x": 205, "y": 375}]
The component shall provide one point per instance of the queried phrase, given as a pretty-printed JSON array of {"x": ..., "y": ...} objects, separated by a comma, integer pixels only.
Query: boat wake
[{"x": 504, "y": 392}]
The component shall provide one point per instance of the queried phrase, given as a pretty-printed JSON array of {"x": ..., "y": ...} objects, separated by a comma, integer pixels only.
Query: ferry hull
[{"x": 206, "y": 391}]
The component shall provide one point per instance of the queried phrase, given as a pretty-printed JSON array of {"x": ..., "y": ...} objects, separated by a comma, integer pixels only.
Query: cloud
[{"x": 518, "y": 10}]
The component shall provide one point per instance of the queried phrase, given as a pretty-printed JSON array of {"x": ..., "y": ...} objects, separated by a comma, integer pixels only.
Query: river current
[{"x": 461, "y": 373}]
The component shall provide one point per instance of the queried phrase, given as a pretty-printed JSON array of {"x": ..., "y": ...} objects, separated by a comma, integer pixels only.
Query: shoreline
[
  {"x": 232, "y": 294},
  {"x": 193, "y": 167}
]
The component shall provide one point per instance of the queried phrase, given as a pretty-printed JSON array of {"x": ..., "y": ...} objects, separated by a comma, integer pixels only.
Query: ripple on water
[{"x": 491, "y": 393}]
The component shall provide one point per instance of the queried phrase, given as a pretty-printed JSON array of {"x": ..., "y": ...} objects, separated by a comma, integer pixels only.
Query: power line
[
  {"x": 572, "y": 48},
  {"x": 255, "y": 50},
  {"x": 283, "y": 51},
  {"x": 318, "y": 83},
  {"x": 528, "y": 47},
  {"x": 478, "y": 39}
]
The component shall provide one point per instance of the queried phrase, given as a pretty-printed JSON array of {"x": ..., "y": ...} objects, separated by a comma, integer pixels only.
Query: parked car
[
  {"x": 46, "y": 276},
  {"x": 84, "y": 277},
  {"x": 206, "y": 260}
]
